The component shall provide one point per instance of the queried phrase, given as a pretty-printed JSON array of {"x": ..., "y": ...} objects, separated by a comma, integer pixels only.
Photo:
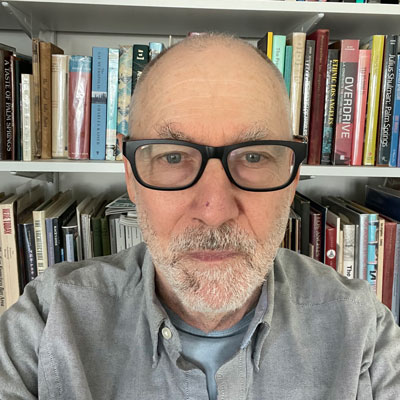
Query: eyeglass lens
[{"x": 173, "y": 166}]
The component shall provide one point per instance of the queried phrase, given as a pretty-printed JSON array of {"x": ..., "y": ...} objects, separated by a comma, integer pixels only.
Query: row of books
[
  {"x": 36, "y": 234},
  {"x": 344, "y": 95},
  {"x": 357, "y": 240},
  {"x": 61, "y": 106}
]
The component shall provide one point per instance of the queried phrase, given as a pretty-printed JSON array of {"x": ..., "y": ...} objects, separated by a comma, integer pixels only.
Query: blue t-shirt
[{"x": 209, "y": 351}]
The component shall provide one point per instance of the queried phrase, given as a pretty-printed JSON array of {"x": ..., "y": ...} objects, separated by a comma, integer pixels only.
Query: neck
[{"x": 206, "y": 322}]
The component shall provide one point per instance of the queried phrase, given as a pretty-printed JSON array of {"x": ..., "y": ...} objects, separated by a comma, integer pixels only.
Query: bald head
[{"x": 215, "y": 68}]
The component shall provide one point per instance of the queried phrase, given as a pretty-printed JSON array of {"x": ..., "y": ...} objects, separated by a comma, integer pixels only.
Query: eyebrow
[{"x": 256, "y": 132}]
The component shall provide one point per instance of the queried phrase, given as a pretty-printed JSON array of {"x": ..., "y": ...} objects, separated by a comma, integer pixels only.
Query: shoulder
[
  {"x": 309, "y": 282},
  {"x": 112, "y": 275}
]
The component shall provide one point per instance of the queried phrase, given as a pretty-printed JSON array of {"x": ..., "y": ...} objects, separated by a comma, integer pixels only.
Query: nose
[{"x": 215, "y": 199}]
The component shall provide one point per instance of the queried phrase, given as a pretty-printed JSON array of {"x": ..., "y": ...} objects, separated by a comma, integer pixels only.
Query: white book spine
[
  {"x": 348, "y": 250},
  {"x": 112, "y": 103},
  {"x": 120, "y": 235},
  {"x": 28, "y": 123},
  {"x": 59, "y": 105}
]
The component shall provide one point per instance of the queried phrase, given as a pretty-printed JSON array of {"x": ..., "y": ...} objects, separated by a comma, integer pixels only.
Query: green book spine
[
  {"x": 105, "y": 236},
  {"x": 278, "y": 52},
  {"x": 288, "y": 67},
  {"x": 97, "y": 242}
]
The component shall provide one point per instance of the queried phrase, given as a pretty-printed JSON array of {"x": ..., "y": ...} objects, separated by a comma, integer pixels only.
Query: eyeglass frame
[{"x": 129, "y": 148}]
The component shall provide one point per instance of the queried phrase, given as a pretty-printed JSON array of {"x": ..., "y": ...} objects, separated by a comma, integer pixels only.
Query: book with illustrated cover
[
  {"x": 387, "y": 100},
  {"x": 112, "y": 103},
  {"x": 360, "y": 107},
  {"x": 99, "y": 103},
  {"x": 330, "y": 105},
  {"x": 80, "y": 90},
  {"x": 376, "y": 44},
  {"x": 346, "y": 92},
  {"x": 46, "y": 51},
  {"x": 59, "y": 105}
]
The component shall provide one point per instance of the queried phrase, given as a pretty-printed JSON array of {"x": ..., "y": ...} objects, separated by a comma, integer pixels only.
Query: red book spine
[
  {"x": 79, "y": 104},
  {"x": 388, "y": 262},
  {"x": 321, "y": 37},
  {"x": 349, "y": 54},
  {"x": 330, "y": 245},
  {"x": 364, "y": 62}
]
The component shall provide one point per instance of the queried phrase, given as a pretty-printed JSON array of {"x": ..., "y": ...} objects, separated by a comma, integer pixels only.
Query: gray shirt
[{"x": 92, "y": 331}]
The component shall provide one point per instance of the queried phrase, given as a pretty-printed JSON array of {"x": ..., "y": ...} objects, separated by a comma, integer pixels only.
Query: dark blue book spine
[{"x": 99, "y": 103}]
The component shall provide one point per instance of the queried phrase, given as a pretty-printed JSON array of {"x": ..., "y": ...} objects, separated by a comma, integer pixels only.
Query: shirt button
[{"x": 166, "y": 332}]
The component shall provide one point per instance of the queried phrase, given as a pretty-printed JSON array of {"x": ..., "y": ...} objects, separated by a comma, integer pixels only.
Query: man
[{"x": 208, "y": 308}]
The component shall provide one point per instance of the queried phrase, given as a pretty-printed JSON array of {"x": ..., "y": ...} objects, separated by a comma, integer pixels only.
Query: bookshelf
[{"x": 76, "y": 26}]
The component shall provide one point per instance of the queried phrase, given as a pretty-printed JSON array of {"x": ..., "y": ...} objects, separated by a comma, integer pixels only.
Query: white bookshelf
[{"x": 77, "y": 25}]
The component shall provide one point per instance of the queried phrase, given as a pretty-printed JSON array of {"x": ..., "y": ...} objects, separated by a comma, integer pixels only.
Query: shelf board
[
  {"x": 246, "y": 18},
  {"x": 91, "y": 166}
]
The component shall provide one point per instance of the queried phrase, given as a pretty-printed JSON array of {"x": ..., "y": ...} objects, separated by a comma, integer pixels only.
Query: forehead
[{"x": 212, "y": 95}]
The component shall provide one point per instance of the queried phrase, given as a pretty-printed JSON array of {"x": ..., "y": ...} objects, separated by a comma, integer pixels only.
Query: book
[
  {"x": 287, "y": 75},
  {"x": 360, "y": 107},
  {"x": 105, "y": 236},
  {"x": 394, "y": 145},
  {"x": 278, "y": 52},
  {"x": 302, "y": 207},
  {"x": 81, "y": 207},
  {"x": 70, "y": 239},
  {"x": 36, "y": 94},
  {"x": 124, "y": 92},
  {"x": 265, "y": 44},
  {"x": 384, "y": 200},
  {"x": 330, "y": 250},
  {"x": 46, "y": 51},
  {"x": 59, "y": 105},
  {"x": 321, "y": 37},
  {"x": 80, "y": 83},
  {"x": 97, "y": 231},
  {"x": 6, "y": 106},
  {"x": 307, "y": 87},
  {"x": 155, "y": 48},
  {"x": 387, "y": 100},
  {"x": 334, "y": 220},
  {"x": 330, "y": 105},
  {"x": 298, "y": 42},
  {"x": 112, "y": 103},
  {"x": 376, "y": 44},
  {"x": 28, "y": 121},
  {"x": 99, "y": 104},
  {"x": 140, "y": 59},
  {"x": 349, "y": 54},
  {"x": 349, "y": 248},
  {"x": 26, "y": 244}
]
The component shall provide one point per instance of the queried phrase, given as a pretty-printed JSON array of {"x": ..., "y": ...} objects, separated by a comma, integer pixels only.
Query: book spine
[
  {"x": 330, "y": 248},
  {"x": 330, "y": 105},
  {"x": 315, "y": 234},
  {"x": 70, "y": 238},
  {"x": 321, "y": 38},
  {"x": 394, "y": 145},
  {"x": 372, "y": 260},
  {"x": 105, "y": 236},
  {"x": 99, "y": 104},
  {"x": 387, "y": 100},
  {"x": 379, "y": 273},
  {"x": 155, "y": 48},
  {"x": 28, "y": 122},
  {"x": 124, "y": 92},
  {"x": 10, "y": 255},
  {"x": 97, "y": 243},
  {"x": 270, "y": 41},
  {"x": 2, "y": 281},
  {"x": 349, "y": 251},
  {"x": 298, "y": 41},
  {"x": 59, "y": 105},
  {"x": 39, "y": 226},
  {"x": 363, "y": 247},
  {"x": 50, "y": 242},
  {"x": 45, "y": 98},
  {"x": 8, "y": 109},
  {"x": 2, "y": 108},
  {"x": 307, "y": 87},
  {"x": 374, "y": 88},
  {"x": 349, "y": 55},
  {"x": 14, "y": 106},
  {"x": 396, "y": 278},
  {"x": 28, "y": 236},
  {"x": 80, "y": 68},
  {"x": 388, "y": 263},
  {"x": 360, "y": 107},
  {"x": 112, "y": 103},
  {"x": 36, "y": 94},
  {"x": 278, "y": 52},
  {"x": 139, "y": 61},
  {"x": 288, "y": 67}
]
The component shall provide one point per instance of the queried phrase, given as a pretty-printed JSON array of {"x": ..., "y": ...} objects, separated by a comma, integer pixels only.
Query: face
[{"x": 212, "y": 244}]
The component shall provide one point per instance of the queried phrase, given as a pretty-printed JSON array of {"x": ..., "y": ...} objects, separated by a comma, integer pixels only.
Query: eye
[
  {"x": 173, "y": 158},
  {"x": 253, "y": 157}
]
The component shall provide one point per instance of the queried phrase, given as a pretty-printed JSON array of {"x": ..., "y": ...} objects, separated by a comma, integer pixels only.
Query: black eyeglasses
[{"x": 258, "y": 166}]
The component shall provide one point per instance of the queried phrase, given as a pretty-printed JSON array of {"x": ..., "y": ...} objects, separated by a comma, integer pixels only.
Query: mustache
[{"x": 225, "y": 237}]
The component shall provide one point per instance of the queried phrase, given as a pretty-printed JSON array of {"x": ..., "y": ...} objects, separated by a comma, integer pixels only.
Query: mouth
[{"x": 212, "y": 255}]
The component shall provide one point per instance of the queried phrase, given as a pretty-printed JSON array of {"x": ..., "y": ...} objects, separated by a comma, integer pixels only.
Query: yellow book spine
[
  {"x": 374, "y": 89},
  {"x": 269, "y": 44}
]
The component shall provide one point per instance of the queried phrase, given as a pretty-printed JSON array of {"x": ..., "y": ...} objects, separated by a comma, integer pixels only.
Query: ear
[{"x": 129, "y": 180}]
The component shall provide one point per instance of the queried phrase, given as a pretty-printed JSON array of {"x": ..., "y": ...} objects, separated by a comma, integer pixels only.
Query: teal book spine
[
  {"x": 112, "y": 104},
  {"x": 372, "y": 255},
  {"x": 155, "y": 48},
  {"x": 288, "y": 67},
  {"x": 278, "y": 52},
  {"x": 99, "y": 103}
]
